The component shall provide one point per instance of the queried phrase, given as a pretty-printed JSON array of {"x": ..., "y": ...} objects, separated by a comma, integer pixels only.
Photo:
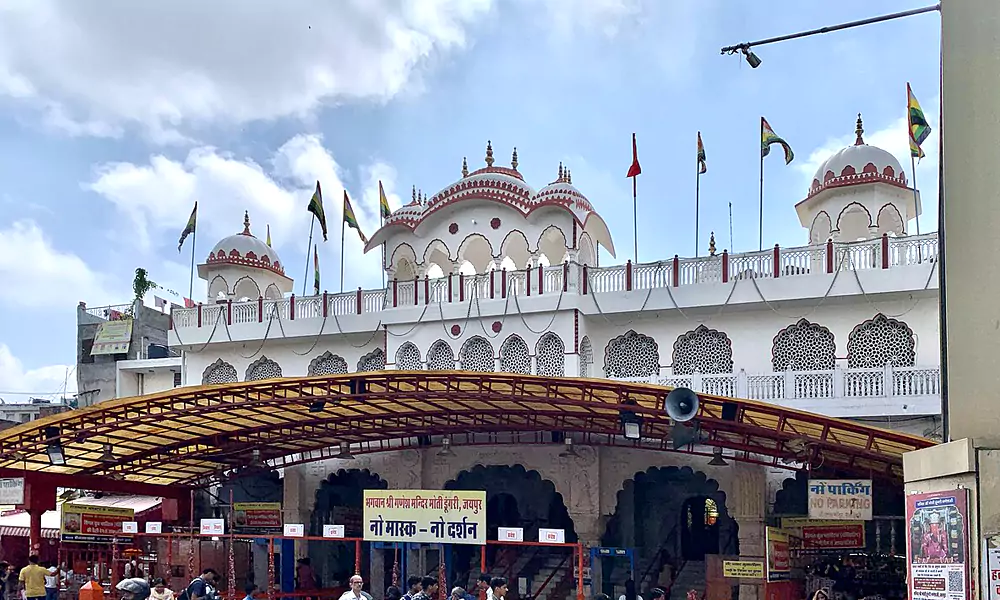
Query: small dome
[
  {"x": 858, "y": 164},
  {"x": 562, "y": 191},
  {"x": 245, "y": 250}
]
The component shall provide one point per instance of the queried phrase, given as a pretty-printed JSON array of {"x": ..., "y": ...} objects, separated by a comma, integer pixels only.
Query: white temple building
[{"x": 494, "y": 274}]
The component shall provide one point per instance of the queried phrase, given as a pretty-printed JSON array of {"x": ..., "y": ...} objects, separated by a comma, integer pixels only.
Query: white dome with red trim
[
  {"x": 562, "y": 192},
  {"x": 245, "y": 250},
  {"x": 856, "y": 165},
  {"x": 503, "y": 185}
]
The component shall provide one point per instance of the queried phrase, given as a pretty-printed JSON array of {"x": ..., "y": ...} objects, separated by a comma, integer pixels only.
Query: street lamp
[
  {"x": 754, "y": 61},
  {"x": 631, "y": 425}
]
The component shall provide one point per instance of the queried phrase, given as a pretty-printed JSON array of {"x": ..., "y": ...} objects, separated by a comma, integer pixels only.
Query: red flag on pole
[{"x": 635, "y": 169}]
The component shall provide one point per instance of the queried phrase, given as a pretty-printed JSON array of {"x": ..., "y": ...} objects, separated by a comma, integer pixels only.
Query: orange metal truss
[{"x": 188, "y": 436}]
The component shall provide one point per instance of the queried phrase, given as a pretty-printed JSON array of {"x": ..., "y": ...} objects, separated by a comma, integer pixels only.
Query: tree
[{"x": 141, "y": 286}]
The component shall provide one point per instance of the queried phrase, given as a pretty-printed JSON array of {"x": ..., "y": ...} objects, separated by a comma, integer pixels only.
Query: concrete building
[{"x": 145, "y": 336}]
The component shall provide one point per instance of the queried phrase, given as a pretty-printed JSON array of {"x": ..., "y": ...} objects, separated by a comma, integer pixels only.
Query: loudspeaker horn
[{"x": 681, "y": 404}]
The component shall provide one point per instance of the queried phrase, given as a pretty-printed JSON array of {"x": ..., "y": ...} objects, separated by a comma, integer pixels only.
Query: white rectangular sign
[
  {"x": 510, "y": 534},
  {"x": 333, "y": 531},
  {"x": 551, "y": 536},
  {"x": 213, "y": 526},
  {"x": 12, "y": 490},
  {"x": 295, "y": 530},
  {"x": 154, "y": 527},
  {"x": 130, "y": 527},
  {"x": 840, "y": 499}
]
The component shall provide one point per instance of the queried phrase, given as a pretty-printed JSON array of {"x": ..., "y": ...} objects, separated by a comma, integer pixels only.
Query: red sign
[
  {"x": 844, "y": 536},
  {"x": 259, "y": 516}
]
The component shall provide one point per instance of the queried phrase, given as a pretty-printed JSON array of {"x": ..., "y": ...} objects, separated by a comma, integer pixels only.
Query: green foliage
[{"x": 141, "y": 286}]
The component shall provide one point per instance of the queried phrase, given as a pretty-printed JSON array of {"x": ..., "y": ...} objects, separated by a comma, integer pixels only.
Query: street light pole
[{"x": 745, "y": 47}]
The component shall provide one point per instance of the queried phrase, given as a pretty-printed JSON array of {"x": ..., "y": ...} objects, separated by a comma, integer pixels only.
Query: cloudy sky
[{"x": 116, "y": 116}]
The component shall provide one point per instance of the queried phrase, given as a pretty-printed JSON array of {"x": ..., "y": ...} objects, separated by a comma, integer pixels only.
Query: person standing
[
  {"x": 32, "y": 579},
  {"x": 10, "y": 583},
  {"x": 428, "y": 589},
  {"x": 355, "y": 592},
  {"x": 413, "y": 587},
  {"x": 52, "y": 583},
  {"x": 499, "y": 587}
]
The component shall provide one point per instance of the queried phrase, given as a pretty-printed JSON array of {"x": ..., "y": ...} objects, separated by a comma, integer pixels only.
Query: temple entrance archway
[
  {"x": 515, "y": 497},
  {"x": 670, "y": 516},
  {"x": 339, "y": 499}
]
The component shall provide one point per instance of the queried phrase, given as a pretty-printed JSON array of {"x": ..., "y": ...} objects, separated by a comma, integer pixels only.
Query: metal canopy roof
[{"x": 190, "y": 435}]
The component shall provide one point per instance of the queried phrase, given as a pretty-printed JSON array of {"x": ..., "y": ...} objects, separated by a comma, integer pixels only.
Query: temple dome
[
  {"x": 245, "y": 250},
  {"x": 858, "y": 164}
]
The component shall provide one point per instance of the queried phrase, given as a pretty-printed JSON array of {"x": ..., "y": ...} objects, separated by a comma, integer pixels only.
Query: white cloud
[
  {"x": 603, "y": 16},
  {"x": 45, "y": 381},
  {"x": 91, "y": 68},
  {"x": 892, "y": 137},
  {"x": 35, "y": 274},
  {"x": 157, "y": 197}
]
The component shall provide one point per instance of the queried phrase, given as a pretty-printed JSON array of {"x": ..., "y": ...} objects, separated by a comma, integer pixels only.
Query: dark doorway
[
  {"x": 502, "y": 511},
  {"x": 700, "y": 528}
]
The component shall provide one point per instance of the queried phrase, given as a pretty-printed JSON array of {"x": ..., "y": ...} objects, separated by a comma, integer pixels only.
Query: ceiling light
[
  {"x": 568, "y": 449},
  {"x": 717, "y": 459},
  {"x": 446, "y": 447},
  {"x": 345, "y": 452}
]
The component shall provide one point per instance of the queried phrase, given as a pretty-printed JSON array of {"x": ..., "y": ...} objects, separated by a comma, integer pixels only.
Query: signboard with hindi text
[
  {"x": 743, "y": 569},
  {"x": 840, "y": 499},
  {"x": 257, "y": 517},
  {"x": 826, "y": 535},
  {"x": 425, "y": 516},
  {"x": 113, "y": 337},
  {"x": 83, "y": 523},
  {"x": 937, "y": 545},
  {"x": 12, "y": 491},
  {"x": 779, "y": 556}
]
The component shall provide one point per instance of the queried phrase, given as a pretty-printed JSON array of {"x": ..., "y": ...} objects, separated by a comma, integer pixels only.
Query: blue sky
[{"x": 112, "y": 122}]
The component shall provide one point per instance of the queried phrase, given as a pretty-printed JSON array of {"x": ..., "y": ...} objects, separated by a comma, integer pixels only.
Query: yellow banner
[
  {"x": 113, "y": 337},
  {"x": 425, "y": 516},
  {"x": 83, "y": 523},
  {"x": 743, "y": 569}
]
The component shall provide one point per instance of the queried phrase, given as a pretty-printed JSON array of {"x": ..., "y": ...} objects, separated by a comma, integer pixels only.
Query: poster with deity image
[{"x": 937, "y": 545}]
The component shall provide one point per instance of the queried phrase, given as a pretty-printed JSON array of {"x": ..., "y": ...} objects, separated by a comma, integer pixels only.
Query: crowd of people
[{"x": 33, "y": 582}]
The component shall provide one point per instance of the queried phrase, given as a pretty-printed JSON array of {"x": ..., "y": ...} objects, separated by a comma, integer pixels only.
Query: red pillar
[{"x": 38, "y": 498}]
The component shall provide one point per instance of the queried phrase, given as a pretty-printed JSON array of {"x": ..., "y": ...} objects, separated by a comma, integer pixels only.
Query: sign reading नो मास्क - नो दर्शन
[
  {"x": 425, "y": 516},
  {"x": 840, "y": 499}
]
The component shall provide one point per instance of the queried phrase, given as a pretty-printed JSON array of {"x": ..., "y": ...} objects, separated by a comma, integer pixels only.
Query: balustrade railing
[
  {"x": 885, "y": 382},
  {"x": 828, "y": 258}
]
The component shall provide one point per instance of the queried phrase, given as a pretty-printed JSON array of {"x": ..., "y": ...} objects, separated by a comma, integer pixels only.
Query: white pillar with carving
[{"x": 747, "y": 504}]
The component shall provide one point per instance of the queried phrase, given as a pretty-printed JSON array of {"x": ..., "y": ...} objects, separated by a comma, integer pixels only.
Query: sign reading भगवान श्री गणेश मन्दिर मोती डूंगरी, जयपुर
[{"x": 425, "y": 516}]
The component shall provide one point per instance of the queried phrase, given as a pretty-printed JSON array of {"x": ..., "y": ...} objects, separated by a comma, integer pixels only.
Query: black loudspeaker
[{"x": 681, "y": 404}]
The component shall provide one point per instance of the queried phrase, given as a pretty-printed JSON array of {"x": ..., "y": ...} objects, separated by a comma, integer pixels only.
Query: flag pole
[
  {"x": 635, "y": 224},
  {"x": 305, "y": 278},
  {"x": 731, "y": 227},
  {"x": 760, "y": 227},
  {"x": 194, "y": 242},
  {"x": 913, "y": 165},
  {"x": 343, "y": 223},
  {"x": 697, "y": 200}
]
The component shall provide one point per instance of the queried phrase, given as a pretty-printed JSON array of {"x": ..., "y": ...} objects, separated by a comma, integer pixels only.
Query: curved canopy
[{"x": 190, "y": 435}]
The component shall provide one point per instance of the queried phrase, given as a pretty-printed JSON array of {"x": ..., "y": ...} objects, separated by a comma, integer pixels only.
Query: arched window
[
  {"x": 328, "y": 364},
  {"x": 374, "y": 361},
  {"x": 550, "y": 356},
  {"x": 408, "y": 358},
  {"x": 803, "y": 346},
  {"x": 477, "y": 355},
  {"x": 514, "y": 356},
  {"x": 440, "y": 357},
  {"x": 704, "y": 350},
  {"x": 586, "y": 357},
  {"x": 219, "y": 372},
  {"x": 631, "y": 355},
  {"x": 880, "y": 341},
  {"x": 263, "y": 368}
]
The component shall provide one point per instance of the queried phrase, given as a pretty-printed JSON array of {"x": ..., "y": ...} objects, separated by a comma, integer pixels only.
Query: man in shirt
[
  {"x": 32, "y": 579},
  {"x": 413, "y": 587},
  {"x": 499, "y": 587},
  {"x": 355, "y": 592},
  {"x": 203, "y": 586},
  {"x": 428, "y": 589}
]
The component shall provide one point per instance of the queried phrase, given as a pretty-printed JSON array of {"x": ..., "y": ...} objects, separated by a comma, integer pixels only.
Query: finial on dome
[
  {"x": 561, "y": 173},
  {"x": 569, "y": 176},
  {"x": 711, "y": 244},
  {"x": 414, "y": 201},
  {"x": 246, "y": 223},
  {"x": 859, "y": 129},
  {"x": 465, "y": 167},
  {"x": 489, "y": 153}
]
